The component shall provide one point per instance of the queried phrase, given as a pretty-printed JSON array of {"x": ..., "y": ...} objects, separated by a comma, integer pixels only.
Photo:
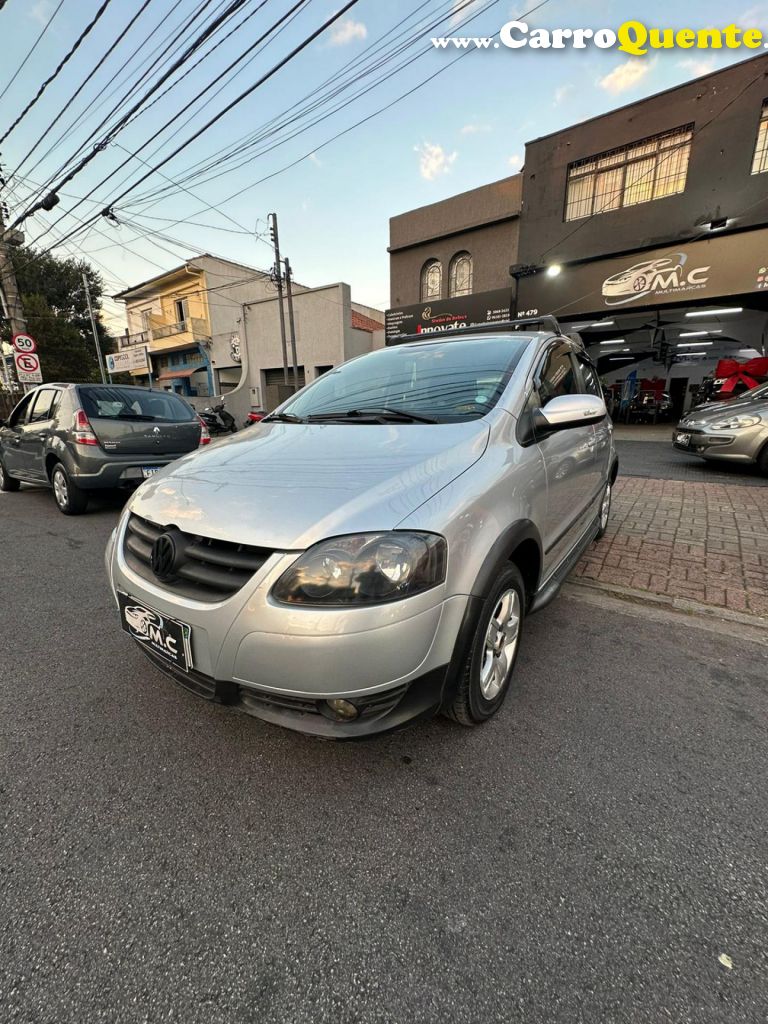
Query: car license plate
[
  {"x": 683, "y": 439},
  {"x": 166, "y": 637},
  {"x": 147, "y": 471}
]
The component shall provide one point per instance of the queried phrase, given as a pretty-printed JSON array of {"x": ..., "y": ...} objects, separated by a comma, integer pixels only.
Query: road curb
[{"x": 681, "y": 605}]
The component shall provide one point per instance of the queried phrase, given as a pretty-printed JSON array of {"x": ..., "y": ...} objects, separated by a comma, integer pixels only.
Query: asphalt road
[
  {"x": 585, "y": 857},
  {"x": 658, "y": 459}
]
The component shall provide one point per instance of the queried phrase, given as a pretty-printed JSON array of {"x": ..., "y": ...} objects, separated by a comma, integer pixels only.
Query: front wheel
[
  {"x": 70, "y": 499},
  {"x": 7, "y": 483},
  {"x": 605, "y": 511},
  {"x": 491, "y": 660}
]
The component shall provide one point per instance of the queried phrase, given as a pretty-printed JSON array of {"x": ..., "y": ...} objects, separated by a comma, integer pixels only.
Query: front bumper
[
  {"x": 283, "y": 663},
  {"x": 735, "y": 446},
  {"x": 379, "y": 713}
]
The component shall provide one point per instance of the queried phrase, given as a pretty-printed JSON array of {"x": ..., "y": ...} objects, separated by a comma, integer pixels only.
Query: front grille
[{"x": 207, "y": 570}]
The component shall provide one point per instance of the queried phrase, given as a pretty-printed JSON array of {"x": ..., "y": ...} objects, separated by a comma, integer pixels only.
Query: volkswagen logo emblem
[{"x": 164, "y": 556}]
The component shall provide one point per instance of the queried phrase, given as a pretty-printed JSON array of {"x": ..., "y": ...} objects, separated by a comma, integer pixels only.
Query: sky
[{"x": 465, "y": 127}]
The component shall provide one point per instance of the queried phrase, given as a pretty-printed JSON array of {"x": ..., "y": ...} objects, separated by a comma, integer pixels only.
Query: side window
[
  {"x": 589, "y": 378},
  {"x": 19, "y": 415},
  {"x": 41, "y": 410},
  {"x": 558, "y": 375}
]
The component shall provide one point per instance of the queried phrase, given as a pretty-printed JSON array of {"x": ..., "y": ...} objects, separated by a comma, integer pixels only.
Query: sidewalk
[{"x": 694, "y": 544}]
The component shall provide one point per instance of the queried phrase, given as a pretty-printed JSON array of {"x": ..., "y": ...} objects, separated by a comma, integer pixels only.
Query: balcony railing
[{"x": 195, "y": 326}]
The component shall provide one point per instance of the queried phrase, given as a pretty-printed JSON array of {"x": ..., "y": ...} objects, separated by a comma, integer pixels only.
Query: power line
[
  {"x": 65, "y": 60},
  {"x": 91, "y": 110},
  {"x": 364, "y": 120},
  {"x": 99, "y": 64},
  {"x": 232, "y": 104},
  {"x": 196, "y": 44},
  {"x": 317, "y": 98},
  {"x": 135, "y": 154},
  {"x": 32, "y": 49},
  {"x": 168, "y": 54}
]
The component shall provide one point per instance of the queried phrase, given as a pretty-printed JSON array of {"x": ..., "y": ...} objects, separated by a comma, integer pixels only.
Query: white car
[{"x": 636, "y": 280}]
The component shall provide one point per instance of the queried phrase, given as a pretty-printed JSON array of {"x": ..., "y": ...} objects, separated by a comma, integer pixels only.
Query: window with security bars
[
  {"x": 629, "y": 175},
  {"x": 760, "y": 160}
]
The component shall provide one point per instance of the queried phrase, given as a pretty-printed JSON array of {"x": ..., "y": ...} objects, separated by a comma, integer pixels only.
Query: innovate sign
[
  {"x": 448, "y": 314},
  {"x": 710, "y": 269}
]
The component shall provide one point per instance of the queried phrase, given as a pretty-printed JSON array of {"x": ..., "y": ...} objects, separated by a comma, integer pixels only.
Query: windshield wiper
[
  {"x": 383, "y": 415},
  {"x": 282, "y": 417}
]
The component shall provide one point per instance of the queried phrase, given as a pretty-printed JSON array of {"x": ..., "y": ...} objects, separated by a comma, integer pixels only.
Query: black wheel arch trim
[{"x": 499, "y": 555}]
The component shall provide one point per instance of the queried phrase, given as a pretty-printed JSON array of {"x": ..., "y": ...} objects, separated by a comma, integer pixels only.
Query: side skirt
[{"x": 549, "y": 590}]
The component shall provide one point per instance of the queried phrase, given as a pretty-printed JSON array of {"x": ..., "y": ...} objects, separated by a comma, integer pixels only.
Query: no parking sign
[{"x": 28, "y": 368}]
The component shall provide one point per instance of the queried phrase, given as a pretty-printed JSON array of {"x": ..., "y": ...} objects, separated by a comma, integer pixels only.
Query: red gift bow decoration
[{"x": 750, "y": 373}]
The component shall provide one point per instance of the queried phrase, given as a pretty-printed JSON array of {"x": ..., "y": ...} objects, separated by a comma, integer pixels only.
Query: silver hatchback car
[
  {"x": 365, "y": 556},
  {"x": 731, "y": 431}
]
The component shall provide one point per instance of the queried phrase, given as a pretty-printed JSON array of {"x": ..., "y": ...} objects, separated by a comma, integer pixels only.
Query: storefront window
[{"x": 629, "y": 175}]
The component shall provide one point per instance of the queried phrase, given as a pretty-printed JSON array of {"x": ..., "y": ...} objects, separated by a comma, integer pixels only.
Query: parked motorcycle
[
  {"x": 253, "y": 417},
  {"x": 218, "y": 420}
]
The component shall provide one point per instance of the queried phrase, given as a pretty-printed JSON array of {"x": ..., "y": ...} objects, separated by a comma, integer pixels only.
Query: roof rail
[{"x": 546, "y": 322}]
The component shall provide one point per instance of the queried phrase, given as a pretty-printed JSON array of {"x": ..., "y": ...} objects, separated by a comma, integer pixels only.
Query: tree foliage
[{"x": 56, "y": 310}]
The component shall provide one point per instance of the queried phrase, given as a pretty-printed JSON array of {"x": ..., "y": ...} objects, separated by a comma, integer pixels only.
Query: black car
[{"x": 77, "y": 438}]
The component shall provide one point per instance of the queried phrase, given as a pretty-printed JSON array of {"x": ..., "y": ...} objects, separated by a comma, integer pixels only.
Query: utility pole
[
  {"x": 291, "y": 323},
  {"x": 99, "y": 355},
  {"x": 279, "y": 282},
  {"x": 9, "y": 287}
]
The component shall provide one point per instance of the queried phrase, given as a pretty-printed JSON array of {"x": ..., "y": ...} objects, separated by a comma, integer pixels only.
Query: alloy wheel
[
  {"x": 60, "y": 489},
  {"x": 605, "y": 508},
  {"x": 500, "y": 644}
]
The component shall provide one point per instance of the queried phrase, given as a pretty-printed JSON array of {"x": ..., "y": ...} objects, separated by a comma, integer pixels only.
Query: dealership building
[{"x": 644, "y": 229}]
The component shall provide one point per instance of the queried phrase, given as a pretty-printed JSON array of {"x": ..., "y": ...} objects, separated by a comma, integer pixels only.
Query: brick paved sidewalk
[{"x": 704, "y": 542}]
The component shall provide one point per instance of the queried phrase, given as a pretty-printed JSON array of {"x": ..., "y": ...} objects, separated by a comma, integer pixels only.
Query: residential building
[
  {"x": 330, "y": 328},
  {"x": 189, "y": 318}
]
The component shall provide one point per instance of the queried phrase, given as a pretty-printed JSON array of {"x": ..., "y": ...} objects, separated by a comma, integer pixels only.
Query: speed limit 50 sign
[
  {"x": 28, "y": 367},
  {"x": 24, "y": 343}
]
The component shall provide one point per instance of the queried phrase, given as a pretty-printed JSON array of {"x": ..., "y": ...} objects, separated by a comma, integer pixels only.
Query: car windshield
[
  {"x": 439, "y": 382},
  {"x": 116, "y": 403}
]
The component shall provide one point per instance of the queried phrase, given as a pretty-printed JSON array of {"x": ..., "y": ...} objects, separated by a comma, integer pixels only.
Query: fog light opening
[{"x": 342, "y": 709}]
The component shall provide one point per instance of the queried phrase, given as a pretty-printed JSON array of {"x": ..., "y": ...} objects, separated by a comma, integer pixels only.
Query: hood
[
  {"x": 285, "y": 486},
  {"x": 719, "y": 410}
]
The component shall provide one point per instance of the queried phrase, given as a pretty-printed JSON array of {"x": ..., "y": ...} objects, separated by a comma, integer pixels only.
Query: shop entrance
[{"x": 678, "y": 388}]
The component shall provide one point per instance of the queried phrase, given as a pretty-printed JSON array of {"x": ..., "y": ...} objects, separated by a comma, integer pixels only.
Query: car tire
[
  {"x": 70, "y": 499},
  {"x": 604, "y": 515},
  {"x": 490, "y": 663},
  {"x": 7, "y": 483}
]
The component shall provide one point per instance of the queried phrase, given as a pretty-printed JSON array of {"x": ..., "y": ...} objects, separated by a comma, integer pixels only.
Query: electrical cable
[
  {"x": 65, "y": 60},
  {"x": 89, "y": 111},
  {"x": 234, "y": 5},
  {"x": 21, "y": 66},
  {"x": 121, "y": 36},
  {"x": 230, "y": 106}
]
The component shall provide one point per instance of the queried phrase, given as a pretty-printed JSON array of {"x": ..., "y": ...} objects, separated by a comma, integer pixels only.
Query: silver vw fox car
[{"x": 366, "y": 555}]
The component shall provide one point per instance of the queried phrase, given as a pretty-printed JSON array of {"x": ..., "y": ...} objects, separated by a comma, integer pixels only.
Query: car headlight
[
  {"x": 735, "y": 422},
  {"x": 364, "y": 569}
]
